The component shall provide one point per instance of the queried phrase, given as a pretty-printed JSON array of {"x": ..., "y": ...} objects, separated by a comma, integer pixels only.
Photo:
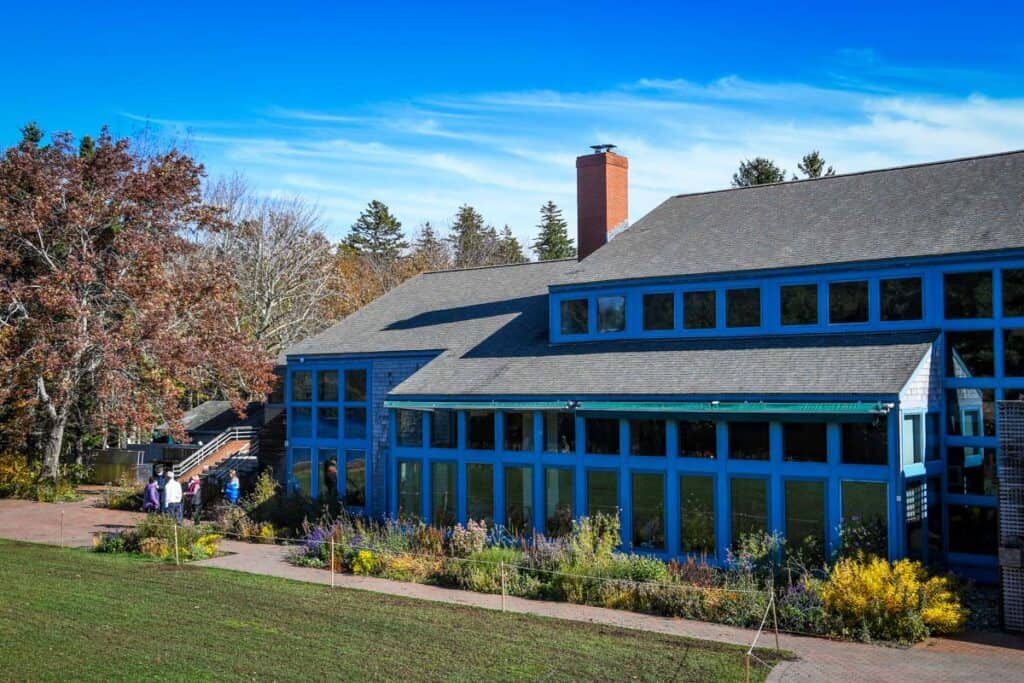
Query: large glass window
[
  {"x": 805, "y": 521},
  {"x": 901, "y": 299},
  {"x": 967, "y": 295},
  {"x": 480, "y": 430},
  {"x": 302, "y": 471},
  {"x": 805, "y": 441},
  {"x": 743, "y": 307},
  {"x": 558, "y": 501},
  {"x": 327, "y": 423},
  {"x": 973, "y": 530},
  {"x": 519, "y": 500},
  {"x": 611, "y": 313},
  {"x": 442, "y": 494},
  {"x": 355, "y": 385},
  {"x": 410, "y": 428},
  {"x": 355, "y": 422},
  {"x": 865, "y": 509},
  {"x": 302, "y": 386},
  {"x": 574, "y": 316},
  {"x": 749, "y": 507},
  {"x": 698, "y": 439},
  {"x": 865, "y": 443},
  {"x": 935, "y": 534},
  {"x": 971, "y": 412},
  {"x": 444, "y": 429},
  {"x": 1013, "y": 292},
  {"x": 972, "y": 470},
  {"x": 602, "y": 435},
  {"x": 410, "y": 489},
  {"x": 355, "y": 478},
  {"x": 699, "y": 310},
  {"x": 327, "y": 385},
  {"x": 912, "y": 439},
  {"x": 799, "y": 304},
  {"x": 748, "y": 440},
  {"x": 327, "y": 459},
  {"x": 697, "y": 514},
  {"x": 970, "y": 354},
  {"x": 1013, "y": 353},
  {"x": 302, "y": 421},
  {"x": 647, "y": 437},
  {"x": 559, "y": 432},
  {"x": 518, "y": 431},
  {"x": 848, "y": 302},
  {"x": 602, "y": 492},
  {"x": 659, "y": 311},
  {"x": 480, "y": 492},
  {"x": 648, "y": 511}
]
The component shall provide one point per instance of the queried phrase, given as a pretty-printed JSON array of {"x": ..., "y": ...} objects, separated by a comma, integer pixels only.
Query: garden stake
[
  {"x": 62, "y": 527},
  {"x": 177, "y": 558},
  {"x": 748, "y": 667},
  {"x": 502, "y": 563},
  {"x": 332, "y": 561},
  {"x": 775, "y": 618}
]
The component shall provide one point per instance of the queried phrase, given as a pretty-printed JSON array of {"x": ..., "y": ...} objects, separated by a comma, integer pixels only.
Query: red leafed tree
[{"x": 103, "y": 293}]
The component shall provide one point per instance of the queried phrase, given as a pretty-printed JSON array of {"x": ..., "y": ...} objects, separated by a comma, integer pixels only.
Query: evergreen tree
[
  {"x": 553, "y": 241},
  {"x": 473, "y": 242},
  {"x": 511, "y": 250},
  {"x": 757, "y": 171},
  {"x": 813, "y": 166},
  {"x": 430, "y": 251},
  {"x": 31, "y": 134},
  {"x": 376, "y": 233}
]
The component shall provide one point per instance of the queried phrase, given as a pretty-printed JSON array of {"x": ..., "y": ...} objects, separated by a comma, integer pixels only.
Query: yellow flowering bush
[
  {"x": 875, "y": 599},
  {"x": 365, "y": 562}
]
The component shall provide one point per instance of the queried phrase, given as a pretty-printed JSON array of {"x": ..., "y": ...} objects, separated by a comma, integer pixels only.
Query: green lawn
[{"x": 70, "y": 614}]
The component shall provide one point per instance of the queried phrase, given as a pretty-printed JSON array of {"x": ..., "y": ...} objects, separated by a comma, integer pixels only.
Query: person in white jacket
[{"x": 172, "y": 492}]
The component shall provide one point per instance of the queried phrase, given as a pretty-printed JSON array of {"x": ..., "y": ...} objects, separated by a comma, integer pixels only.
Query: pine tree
[
  {"x": 31, "y": 134},
  {"x": 473, "y": 242},
  {"x": 511, "y": 250},
  {"x": 813, "y": 166},
  {"x": 430, "y": 251},
  {"x": 376, "y": 233},
  {"x": 553, "y": 241},
  {"x": 757, "y": 171}
]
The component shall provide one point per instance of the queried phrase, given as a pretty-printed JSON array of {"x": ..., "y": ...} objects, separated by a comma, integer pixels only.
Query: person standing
[
  {"x": 194, "y": 495},
  {"x": 233, "y": 488},
  {"x": 161, "y": 482},
  {"x": 151, "y": 497},
  {"x": 173, "y": 495}
]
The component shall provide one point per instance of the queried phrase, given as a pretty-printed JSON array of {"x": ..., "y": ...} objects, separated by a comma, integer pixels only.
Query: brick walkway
[{"x": 995, "y": 658}]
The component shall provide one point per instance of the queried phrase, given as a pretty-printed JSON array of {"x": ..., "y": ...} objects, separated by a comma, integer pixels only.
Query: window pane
[
  {"x": 698, "y": 439},
  {"x": 967, "y": 295},
  {"x": 659, "y": 312},
  {"x": 1013, "y": 353},
  {"x": 933, "y": 427},
  {"x": 327, "y": 423},
  {"x": 649, "y": 511},
  {"x": 602, "y": 435},
  {"x": 697, "y": 514},
  {"x": 647, "y": 437},
  {"x": 805, "y": 441},
  {"x": 972, "y": 470},
  {"x": 915, "y": 502},
  {"x": 327, "y": 385},
  {"x": 442, "y": 494},
  {"x": 805, "y": 521},
  {"x": 848, "y": 302},
  {"x": 743, "y": 307},
  {"x": 518, "y": 431},
  {"x": 558, "y": 501},
  {"x": 699, "y": 310},
  {"x": 970, "y": 354},
  {"x": 973, "y": 530},
  {"x": 971, "y": 412},
  {"x": 865, "y": 505},
  {"x": 302, "y": 471},
  {"x": 1013, "y": 292},
  {"x": 410, "y": 428},
  {"x": 355, "y": 385},
  {"x": 519, "y": 500},
  {"x": 748, "y": 440},
  {"x": 480, "y": 430},
  {"x": 573, "y": 315},
  {"x": 799, "y": 304},
  {"x": 327, "y": 458},
  {"x": 302, "y": 422},
  {"x": 611, "y": 313},
  {"x": 444, "y": 429},
  {"x": 410, "y": 489},
  {"x": 935, "y": 535},
  {"x": 355, "y": 423},
  {"x": 355, "y": 478},
  {"x": 602, "y": 492},
  {"x": 559, "y": 432},
  {"x": 911, "y": 439},
  {"x": 749, "y": 508},
  {"x": 480, "y": 492},
  {"x": 302, "y": 386},
  {"x": 865, "y": 443},
  {"x": 901, "y": 298}
]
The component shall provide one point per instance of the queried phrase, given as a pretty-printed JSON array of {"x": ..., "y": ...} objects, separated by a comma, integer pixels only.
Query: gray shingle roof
[{"x": 967, "y": 205}]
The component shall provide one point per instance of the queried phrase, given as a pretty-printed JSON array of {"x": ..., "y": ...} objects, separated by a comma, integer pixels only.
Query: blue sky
[{"x": 430, "y": 105}]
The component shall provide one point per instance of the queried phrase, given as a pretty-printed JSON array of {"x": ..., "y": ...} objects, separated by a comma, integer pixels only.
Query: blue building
[{"x": 801, "y": 357}]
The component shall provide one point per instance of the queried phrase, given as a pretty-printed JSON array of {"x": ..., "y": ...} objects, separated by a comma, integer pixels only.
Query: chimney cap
[{"x": 602, "y": 149}]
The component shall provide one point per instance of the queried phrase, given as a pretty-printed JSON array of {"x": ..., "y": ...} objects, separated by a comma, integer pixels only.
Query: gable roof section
[{"x": 966, "y": 205}]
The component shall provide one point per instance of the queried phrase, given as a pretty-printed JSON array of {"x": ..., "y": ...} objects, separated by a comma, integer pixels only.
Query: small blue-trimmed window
[
  {"x": 355, "y": 478},
  {"x": 611, "y": 313},
  {"x": 480, "y": 430},
  {"x": 647, "y": 437},
  {"x": 648, "y": 510},
  {"x": 848, "y": 302},
  {"x": 302, "y": 422},
  {"x": 970, "y": 353},
  {"x": 1013, "y": 292},
  {"x": 302, "y": 385},
  {"x": 749, "y": 499},
  {"x": 602, "y": 435},
  {"x": 912, "y": 439},
  {"x": 302, "y": 471},
  {"x": 559, "y": 432},
  {"x": 743, "y": 307},
  {"x": 444, "y": 429},
  {"x": 480, "y": 492},
  {"x": 798, "y": 304},
  {"x": 410, "y": 489},
  {"x": 355, "y": 385},
  {"x": 327, "y": 484},
  {"x": 900, "y": 299},
  {"x": 805, "y": 441},
  {"x": 967, "y": 295},
  {"x": 659, "y": 311},
  {"x": 697, "y": 514},
  {"x": 559, "y": 493},
  {"x": 327, "y": 386},
  {"x": 327, "y": 422},
  {"x": 409, "y": 425},
  {"x": 602, "y": 492},
  {"x": 1013, "y": 353},
  {"x": 574, "y": 316},
  {"x": 699, "y": 310},
  {"x": 355, "y": 422}
]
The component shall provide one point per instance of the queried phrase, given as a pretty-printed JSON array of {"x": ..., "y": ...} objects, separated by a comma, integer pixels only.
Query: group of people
[{"x": 164, "y": 495}]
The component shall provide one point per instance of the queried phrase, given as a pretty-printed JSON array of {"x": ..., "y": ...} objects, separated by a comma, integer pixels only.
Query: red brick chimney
[{"x": 602, "y": 197}]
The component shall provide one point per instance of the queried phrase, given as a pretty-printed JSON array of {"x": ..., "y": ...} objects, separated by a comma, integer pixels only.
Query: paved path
[{"x": 993, "y": 658}]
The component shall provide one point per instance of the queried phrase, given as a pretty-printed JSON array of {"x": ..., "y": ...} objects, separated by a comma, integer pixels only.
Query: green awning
[
  {"x": 741, "y": 407},
  {"x": 477, "y": 405}
]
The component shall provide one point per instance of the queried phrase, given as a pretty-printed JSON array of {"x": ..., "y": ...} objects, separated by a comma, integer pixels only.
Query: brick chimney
[{"x": 602, "y": 197}]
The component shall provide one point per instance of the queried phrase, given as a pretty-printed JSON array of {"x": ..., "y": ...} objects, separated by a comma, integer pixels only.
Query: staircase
[{"x": 236, "y": 448}]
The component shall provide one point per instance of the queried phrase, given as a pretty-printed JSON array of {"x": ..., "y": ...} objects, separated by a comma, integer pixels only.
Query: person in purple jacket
[{"x": 151, "y": 497}]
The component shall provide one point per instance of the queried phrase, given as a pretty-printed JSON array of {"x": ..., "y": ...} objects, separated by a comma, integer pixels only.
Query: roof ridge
[
  {"x": 497, "y": 265},
  {"x": 851, "y": 174}
]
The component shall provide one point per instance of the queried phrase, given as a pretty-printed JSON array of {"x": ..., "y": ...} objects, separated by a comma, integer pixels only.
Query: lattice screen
[{"x": 1011, "y": 511}]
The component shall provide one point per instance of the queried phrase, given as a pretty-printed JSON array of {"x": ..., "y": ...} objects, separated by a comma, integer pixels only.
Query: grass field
[{"x": 70, "y": 614}]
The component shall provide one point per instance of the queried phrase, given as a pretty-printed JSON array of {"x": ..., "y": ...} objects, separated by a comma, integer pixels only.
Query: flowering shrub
[
  {"x": 365, "y": 562},
  {"x": 466, "y": 540},
  {"x": 154, "y": 536},
  {"x": 20, "y": 479}
]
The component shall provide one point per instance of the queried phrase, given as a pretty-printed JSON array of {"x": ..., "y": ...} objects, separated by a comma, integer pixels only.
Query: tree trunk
[{"x": 53, "y": 445}]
